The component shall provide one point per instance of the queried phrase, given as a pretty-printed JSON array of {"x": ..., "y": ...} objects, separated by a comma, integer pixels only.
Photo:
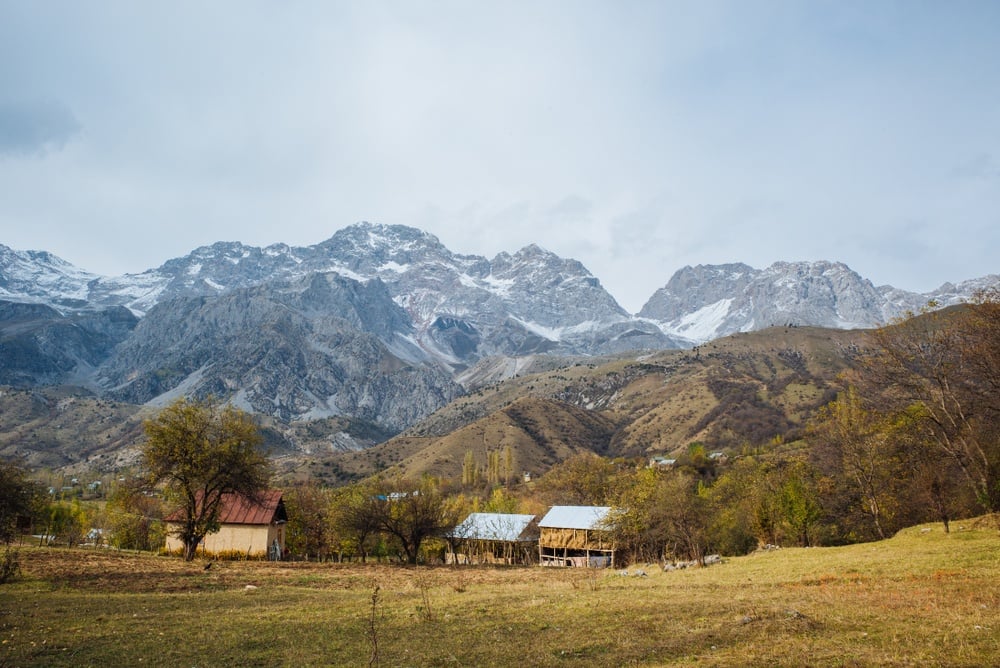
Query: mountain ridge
[{"x": 382, "y": 323}]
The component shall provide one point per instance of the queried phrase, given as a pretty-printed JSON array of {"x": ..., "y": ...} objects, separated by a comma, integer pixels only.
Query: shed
[
  {"x": 576, "y": 536},
  {"x": 251, "y": 528},
  {"x": 494, "y": 538}
]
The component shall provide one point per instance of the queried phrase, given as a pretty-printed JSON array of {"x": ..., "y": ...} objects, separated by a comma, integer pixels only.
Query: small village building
[
  {"x": 494, "y": 538},
  {"x": 660, "y": 462},
  {"x": 254, "y": 529},
  {"x": 576, "y": 536}
]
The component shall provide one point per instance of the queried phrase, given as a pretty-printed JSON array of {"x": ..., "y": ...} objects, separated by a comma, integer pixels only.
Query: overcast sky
[{"x": 636, "y": 137}]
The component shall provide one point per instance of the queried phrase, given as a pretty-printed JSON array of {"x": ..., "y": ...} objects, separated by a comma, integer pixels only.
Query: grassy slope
[
  {"x": 921, "y": 598},
  {"x": 55, "y": 427},
  {"x": 632, "y": 405},
  {"x": 743, "y": 389}
]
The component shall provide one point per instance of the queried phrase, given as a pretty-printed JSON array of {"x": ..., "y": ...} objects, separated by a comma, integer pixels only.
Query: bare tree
[{"x": 945, "y": 368}]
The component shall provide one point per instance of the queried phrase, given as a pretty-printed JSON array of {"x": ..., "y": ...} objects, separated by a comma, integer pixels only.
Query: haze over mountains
[{"x": 381, "y": 323}]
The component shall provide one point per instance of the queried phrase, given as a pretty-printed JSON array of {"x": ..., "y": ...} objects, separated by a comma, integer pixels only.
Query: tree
[
  {"x": 862, "y": 448},
  {"x": 584, "y": 478},
  {"x": 412, "y": 513},
  {"x": 136, "y": 518},
  {"x": 746, "y": 506},
  {"x": 944, "y": 367},
  {"x": 18, "y": 499},
  {"x": 663, "y": 513},
  {"x": 310, "y": 527},
  {"x": 799, "y": 501},
  {"x": 356, "y": 516},
  {"x": 200, "y": 453},
  {"x": 67, "y": 522}
]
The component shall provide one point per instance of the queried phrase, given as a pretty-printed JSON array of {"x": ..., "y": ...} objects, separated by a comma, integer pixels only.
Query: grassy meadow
[{"x": 922, "y": 598}]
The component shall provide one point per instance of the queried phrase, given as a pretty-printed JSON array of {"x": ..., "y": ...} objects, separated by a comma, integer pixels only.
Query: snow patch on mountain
[{"x": 703, "y": 324}]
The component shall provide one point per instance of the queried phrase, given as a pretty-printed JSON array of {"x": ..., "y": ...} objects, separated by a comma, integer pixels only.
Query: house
[
  {"x": 493, "y": 538},
  {"x": 661, "y": 462},
  {"x": 719, "y": 457},
  {"x": 576, "y": 536},
  {"x": 247, "y": 527}
]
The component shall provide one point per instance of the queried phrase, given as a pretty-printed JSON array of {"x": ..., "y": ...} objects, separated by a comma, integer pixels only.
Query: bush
[{"x": 10, "y": 565}]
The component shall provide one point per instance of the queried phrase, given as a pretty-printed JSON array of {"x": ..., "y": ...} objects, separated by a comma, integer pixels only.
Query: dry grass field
[{"x": 922, "y": 598}]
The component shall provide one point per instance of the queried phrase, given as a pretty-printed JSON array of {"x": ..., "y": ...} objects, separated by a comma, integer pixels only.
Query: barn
[
  {"x": 576, "y": 536},
  {"x": 254, "y": 529},
  {"x": 494, "y": 538}
]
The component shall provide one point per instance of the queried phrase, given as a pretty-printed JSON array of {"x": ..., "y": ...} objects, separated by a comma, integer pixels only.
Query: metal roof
[
  {"x": 238, "y": 509},
  {"x": 495, "y": 526},
  {"x": 575, "y": 517}
]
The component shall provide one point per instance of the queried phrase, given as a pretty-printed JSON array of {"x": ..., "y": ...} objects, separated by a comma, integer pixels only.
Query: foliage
[
  {"x": 67, "y": 522},
  {"x": 663, "y": 514},
  {"x": 799, "y": 502},
  {"x": 10, "y": 564},
  {"x": 745, "y": 506},
  {"x": 584, "y": 479},
  {"x": 355, "y": 519},
  {"x": 310, "y": 532},
  {"x": 135, "y": 517},
  {"x": 19, "y": 499},
  {"x": 501, "y": 500},
  {"x": 201, "y": 452},
  {"x": 944, "y": 367},
  {"x": 412, "y": 512}
]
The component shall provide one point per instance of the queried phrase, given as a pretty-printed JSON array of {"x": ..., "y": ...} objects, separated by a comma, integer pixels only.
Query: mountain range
[{"x": 379, "y": 326}]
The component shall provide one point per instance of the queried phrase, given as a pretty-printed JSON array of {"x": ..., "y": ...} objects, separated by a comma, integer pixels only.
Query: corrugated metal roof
[
  {"x": 495, "y": 526},
  {"x": 238, "y": 509},
  {"x": 575, "y": 517}
]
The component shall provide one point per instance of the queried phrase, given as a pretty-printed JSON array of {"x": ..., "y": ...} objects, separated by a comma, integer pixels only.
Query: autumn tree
[
  {"x": 412, "y": 512},
  {"x": 135, "y": 517},
  {"x": 798, "y": 498},
  {"x": 310, "y": 528},
  {"x": 201, "y": 452},
  {"x": 944, "y": 368},
  {"x": 746, "y": 506},
  {"x": 662, "y": 514},
  {"x": 585, "y": 479},
  {"x": 864, "y": 450}
]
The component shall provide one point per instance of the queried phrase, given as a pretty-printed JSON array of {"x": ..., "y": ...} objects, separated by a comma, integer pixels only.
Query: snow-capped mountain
[
  {"x": 709, "y": 301},
  {"x": 380, "y": 323},
  {"x": 40, "y": 277},
  {"x": 372, "y": 324},
  {"x": 462, "y": 307}
]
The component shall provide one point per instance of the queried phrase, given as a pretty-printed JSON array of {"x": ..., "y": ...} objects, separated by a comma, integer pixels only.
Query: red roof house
[{"x": 252, "y": 528}]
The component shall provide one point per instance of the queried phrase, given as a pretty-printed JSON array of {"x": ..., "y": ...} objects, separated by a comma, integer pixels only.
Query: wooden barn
[
  {"x": 576, "y": 536},
  {"x": 494, "y": 538},
  {"x": 248, "y": 528}
]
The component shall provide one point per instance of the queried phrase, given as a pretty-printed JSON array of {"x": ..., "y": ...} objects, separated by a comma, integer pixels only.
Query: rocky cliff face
[
  {"x": 316, "y": 347},
  {"x": 40, "y": 346}
]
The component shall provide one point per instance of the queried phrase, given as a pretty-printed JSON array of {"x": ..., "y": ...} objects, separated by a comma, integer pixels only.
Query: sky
[{"x": 636, "y": 137}]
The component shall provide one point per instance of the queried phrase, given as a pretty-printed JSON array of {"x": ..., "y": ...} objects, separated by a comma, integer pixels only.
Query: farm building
[
  {"x": 576, "y": 536},
  {"x": 253, "y": 529},
  {"x": 494, "y": 538}
]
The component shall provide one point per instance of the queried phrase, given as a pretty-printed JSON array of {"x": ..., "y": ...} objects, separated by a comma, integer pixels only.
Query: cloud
[
  {"x": 979, "y": 167},
  {"x": 35, "y": 126}
]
